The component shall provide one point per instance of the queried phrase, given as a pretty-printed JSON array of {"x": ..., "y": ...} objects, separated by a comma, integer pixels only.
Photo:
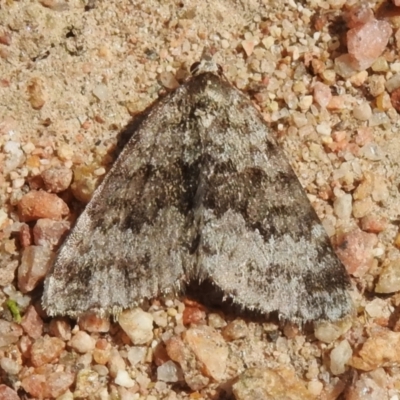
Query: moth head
[{"x": 206, "y": 64}]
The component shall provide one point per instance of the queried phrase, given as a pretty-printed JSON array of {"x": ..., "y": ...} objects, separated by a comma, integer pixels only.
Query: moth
[{"x": 201, "y": 191}]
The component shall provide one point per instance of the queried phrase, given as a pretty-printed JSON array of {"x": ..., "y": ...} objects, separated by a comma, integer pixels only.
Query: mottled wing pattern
[
  {"x": 261, "y": 241},
  {"x": 133, "y": 240},
  {"x": 201, "y": 191}
]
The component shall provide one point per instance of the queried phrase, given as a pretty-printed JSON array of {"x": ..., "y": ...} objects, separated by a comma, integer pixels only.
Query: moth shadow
[{"x": 212, "y": 297}]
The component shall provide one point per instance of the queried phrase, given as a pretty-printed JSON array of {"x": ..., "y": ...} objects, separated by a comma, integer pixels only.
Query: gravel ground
[{"x": 326, "y": 77}]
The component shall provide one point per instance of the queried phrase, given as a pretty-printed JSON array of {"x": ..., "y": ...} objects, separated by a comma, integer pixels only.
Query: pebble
[
  {"x": 359, "y": 78},
  {"x": 39, "y": 204},
  {"x": 6, "y": 393},
  {"x": 389, "y": 278},
  {"x": 210, "y": 349},
  {"x": 169, "y": 372},
  {"x": 193, "y": 315},
  {"x": 102, "y": 352},
  {"x": 57, "y": 179},
  {"x": 180, "y": 352},
  {"x": 322, "y": 94},
  {"x": 100, "y": 369},
  {"x": 305, "y": 102},
  {"x": 18, "y": 183},
  {"x": 363, "y": 207},
  {"x": 248, "y": 47},
  {"x": 342, "y": 206},
  {"x": 37, "y": 95},
  {"x": 65, "y": 152},
  {"x": 25, "y": 237},
  {"x": 324, "y": 128},
  {"x": 47, "y": 232},
  {"x": 395, "y": 99},
  {"x": 366, "y": 388},
  {"x": 355, "y": 249},
  {"x": 143, "y": 381},
  {"x": 10, "y": 366},
  {"x": 123, "y": 379},
  {"x": 7, "y": 272},
  {"x": 82, "y": 342},
  {"x": 336, "y": 103},
  {"x": 216, "y": 321},
  {"x": 339, "y": 357},
  {"x": 85, "y": 360},
  {"x": 60, "y": 327},
  {"x": 45, "y": 350},
  {"x": 384, "y": 102},
  {"x": 84, "y": 183},
  {"x": 365, "y": 188},
  {"x": 15, "y": 156},
  {"x": 270, "y": 384},
  {"x": 379, "y": 309},
  {"x": 392, "y": 83},
  {"x": 236, "y": 329},
  {"x": 160, "y": 318},
  {"x": 50, "y": 385},
  {"x": 380, "y": 193},
  {"x": 315, "y": 387},
  {"x": 35, "y": 263},
  {"x": 137, "y": 354},
  {"x": 362, "y": 112},
  {"x": 373, "y": 223},
  {"x": 138, "y": 325},
  {"x": 58, "y": 383},
  {"x": 372, "y": 151},
  {"x": 328, "y": 332},
  {"x": 101, "y": 92},
  {"x": 366, "y": 42},
  {"x": 115, "y": 363},
  {"x": 344, "y": 66},
  {"x": 87, "y": 384},
  {"x": 25, "y": 345},
  {"x": 91, "y": 322},
  {"x": 31, "y": 323},
  {"x": 381, "y": 349},
  {"x": 376, "y": 85},
  {"x": 168, "y": 80}
]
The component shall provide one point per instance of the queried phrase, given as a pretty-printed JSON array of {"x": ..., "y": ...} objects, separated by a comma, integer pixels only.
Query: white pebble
[
  {"x": 343, "y": 206},
  {"x": 371, "y": 151},
  {"x": 378, "y": 308},
  {"x": 169, "y": 372},
  {"x": 315, "y": 387},
  {"x": 160, "y": 318},
  {"x": 18, "y": 183},
  {"x": 340, "y": 355},
  {"x": 9, "y": 366},
  {"x": 362, "y": 112},
  {"x": 393, "y": 83},
  {"x": 101, "y": 92},
  {"x": 82, "y": 342},
  {"x": 328, "y": 332},
  {"x": 323, "y": 129},
  {"x": 136, "y": 354},
  {"x": 11, "y": 147},
  {"x": 123, "y": 379},
  {"x": 15, "y": 158},
  {"x": 138, "y": 325}
]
